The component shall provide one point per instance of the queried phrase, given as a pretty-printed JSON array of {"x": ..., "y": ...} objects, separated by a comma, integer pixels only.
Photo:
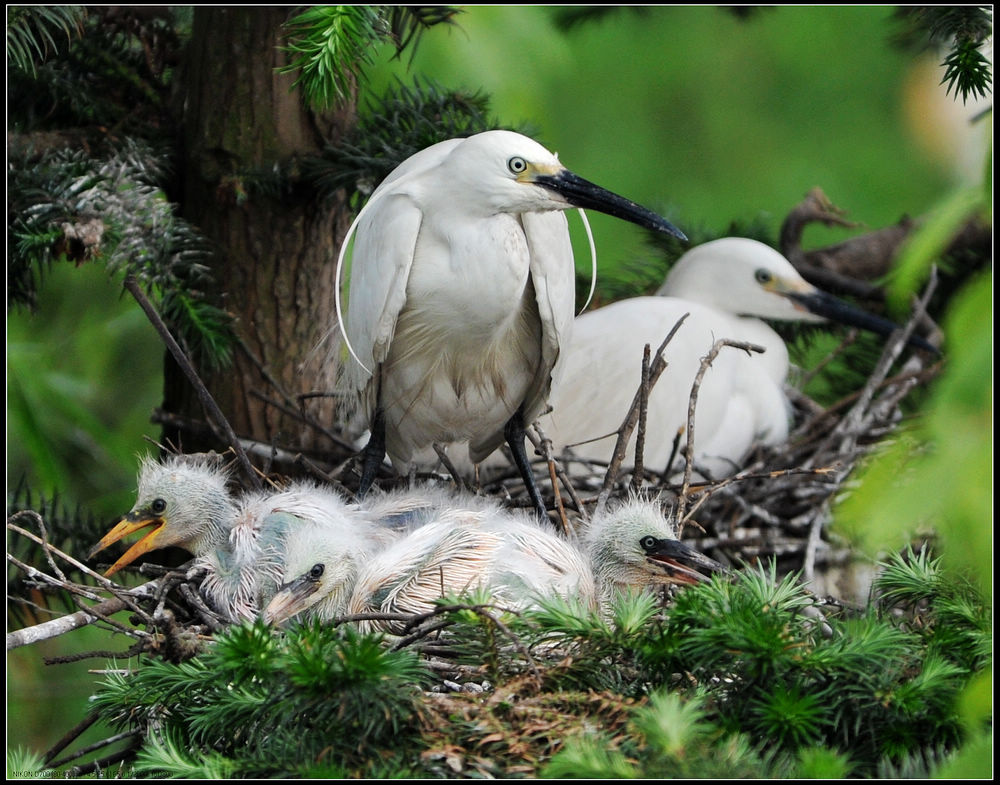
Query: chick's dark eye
[
  {"x": 316, "y": 572},
  {"x": 647, "y": 543},
  {"x": 762, "y": 276},
  {"x": 517, "y": 165},
  {"x": 158, "y": 506}
]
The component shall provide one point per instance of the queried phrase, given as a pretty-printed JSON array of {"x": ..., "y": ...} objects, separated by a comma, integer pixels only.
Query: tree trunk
[{"x": 276, "y": 250}]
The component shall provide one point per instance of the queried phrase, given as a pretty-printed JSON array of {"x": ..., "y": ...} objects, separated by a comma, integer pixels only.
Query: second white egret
[{"x": 726, "y": 288}]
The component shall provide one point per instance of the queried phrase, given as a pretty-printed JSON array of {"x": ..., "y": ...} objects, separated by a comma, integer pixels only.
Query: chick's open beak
[
  {"x": 681, "y": 562},
  {"x": 131, "y": 523}
]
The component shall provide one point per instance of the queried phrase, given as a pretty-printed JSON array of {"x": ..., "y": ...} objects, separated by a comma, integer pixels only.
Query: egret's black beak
[
  {"x": 681, "y": 562},
  {"x": 837, "y": 310},
  {"x": 583, "y": 193},
  {"x": 290, "y": 599}
]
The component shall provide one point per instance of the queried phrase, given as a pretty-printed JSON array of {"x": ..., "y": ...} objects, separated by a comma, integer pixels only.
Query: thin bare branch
[
  {"x": 656, "y": 368},
  {"x": 640, "y": 431},
  {"x": 706, "y": 362},
  {"x": 204, "y": 396},
  {"x": 56, "y": 627}
]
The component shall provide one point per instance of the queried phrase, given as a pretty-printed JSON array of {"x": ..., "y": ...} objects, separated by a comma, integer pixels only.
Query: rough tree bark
[{"x": 275, "y": 252}]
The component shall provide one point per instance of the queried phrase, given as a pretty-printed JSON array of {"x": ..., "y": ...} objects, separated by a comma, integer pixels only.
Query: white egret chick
[
  {"x": 243, "y": 572},
  {"x": 726, "y": 287},
  {"x": 633, "y": 544},
  {"x": 470, "y": 544},
  {"x": 461, "y": 297},
  {"x": 319, "y": 567},
  {"x": 321, "y": 563},
  {"x": 183, "y": 500},
  {"x": 238, "y": 542}
]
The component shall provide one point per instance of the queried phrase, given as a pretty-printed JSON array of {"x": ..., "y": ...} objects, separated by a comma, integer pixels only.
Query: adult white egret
[
  {"x": 461, "y": 296},
  {"x": 238, "y": 542},
  {"x": 471, "y": 544},
  {"x": 725, "y": 287}
]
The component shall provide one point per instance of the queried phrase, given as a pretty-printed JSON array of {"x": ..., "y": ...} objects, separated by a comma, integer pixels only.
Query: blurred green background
[{"x": 688, "y": 110}]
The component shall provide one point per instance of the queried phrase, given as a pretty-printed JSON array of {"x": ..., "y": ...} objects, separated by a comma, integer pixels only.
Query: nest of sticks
[{"x": 777, "y": 506}]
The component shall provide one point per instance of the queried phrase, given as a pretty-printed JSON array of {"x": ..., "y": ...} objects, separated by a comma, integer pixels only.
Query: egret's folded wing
[
  {"x": 603, "y": 372},
  {"x": 380, "y": 267},
  {"x": 554, "y": 277},
  {"x": 383, "y": 252}
]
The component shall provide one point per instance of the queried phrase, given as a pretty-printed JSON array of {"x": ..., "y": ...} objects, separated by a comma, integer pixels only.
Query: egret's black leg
[
  {"x": 373, "y": 453},
  {"x": 513, "y": 432}
]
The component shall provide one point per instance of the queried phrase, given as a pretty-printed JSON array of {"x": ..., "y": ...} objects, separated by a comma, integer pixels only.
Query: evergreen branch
[
  {"x": 166, "y": 753},
  {"x": 408, "y": 23},
  {"x": 26, "y": 762},
  {"x": 208, "y": 329},
  {"x": 402, "y": 122},
  {"x": 67, "y": 206},
  {"x": 940, "y": 25},
  {"x": 959, "y": 23},
  {"x": 960, "y": 628},
  {"x": 961, "y": 31},
  {"x": 110, "y": 81},
  {"x": 330, "y": 46},
  {"x": 32, "y": 32},
  {"x": 312, "y": 689},
  {"x": 968, "y": 71}
]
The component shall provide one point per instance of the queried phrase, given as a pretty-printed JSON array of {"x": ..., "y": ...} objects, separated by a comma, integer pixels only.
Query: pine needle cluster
[
  {"x": 68, "y": 206},
  {"x": 331, "y": 45},
  {"x": 327, "y": 45},
  {"x": 762, "y": 666},
  {"x": 960, "y": 30},
  {"x": 257, "y": 704},
  {"x": 95, "y": 69}
]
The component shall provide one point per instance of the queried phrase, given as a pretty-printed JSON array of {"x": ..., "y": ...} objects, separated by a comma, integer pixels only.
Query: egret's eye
[
  {"x": 517, "y": 165},
  {"x": 763, "y": 276},
  {"x": 158, "y": 506},
  {"x": 647, "y": 543},
  {"x": 316, "y": 571}
]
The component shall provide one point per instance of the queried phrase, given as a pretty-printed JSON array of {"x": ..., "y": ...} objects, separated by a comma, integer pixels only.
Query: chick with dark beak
[{"x": 679, "y": 561}]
